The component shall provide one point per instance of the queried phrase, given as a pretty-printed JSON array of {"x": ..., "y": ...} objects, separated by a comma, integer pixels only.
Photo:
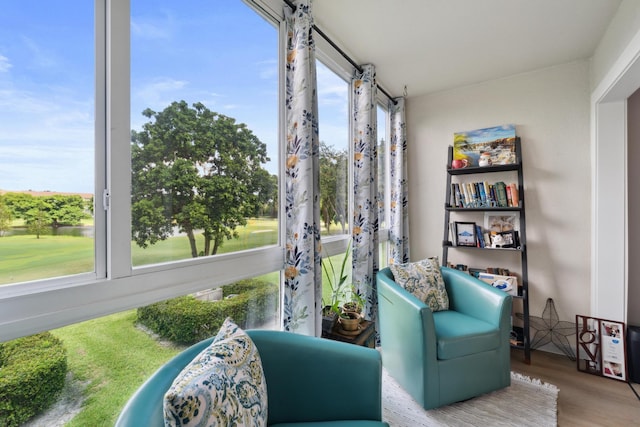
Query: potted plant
[
  {"x": 349, "y": 320},
  {"x": 356, "y": 303},
  {"x": 337, "y": 281}
]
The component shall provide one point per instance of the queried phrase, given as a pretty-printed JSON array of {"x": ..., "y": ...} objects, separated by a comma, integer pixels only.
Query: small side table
[{"x": 365, "y": 336}]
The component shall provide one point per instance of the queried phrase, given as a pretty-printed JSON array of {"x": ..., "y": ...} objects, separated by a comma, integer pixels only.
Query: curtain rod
[{"x": 340, "y": 51}]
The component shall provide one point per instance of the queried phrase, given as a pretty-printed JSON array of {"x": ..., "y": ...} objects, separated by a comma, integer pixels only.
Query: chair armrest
[
  {"x": 476, "y": 298},
  {"x": 145, "y": 408},
  {"x": 408, "y": 318},
  {"x": 308, "y": 376},
  {"x": 407, "y": 335}
]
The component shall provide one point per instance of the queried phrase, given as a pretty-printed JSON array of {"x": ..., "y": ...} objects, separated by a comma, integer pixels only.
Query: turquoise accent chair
[
  {"x": 309, "y": 381},
  {"x": 446, "y": 356}
]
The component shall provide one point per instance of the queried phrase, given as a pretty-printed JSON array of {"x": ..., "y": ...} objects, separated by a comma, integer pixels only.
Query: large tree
[
  {"x": 42, "y": 212},
  {"x": 195, "y": 169},
  {"x": 333, "y": 186}
]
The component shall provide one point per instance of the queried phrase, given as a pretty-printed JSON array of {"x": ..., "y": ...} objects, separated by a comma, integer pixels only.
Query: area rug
[{"x": 527, "y": 402}]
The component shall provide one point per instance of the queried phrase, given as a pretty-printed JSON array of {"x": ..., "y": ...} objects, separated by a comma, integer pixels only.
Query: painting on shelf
[{"x": 485, "y": 147}]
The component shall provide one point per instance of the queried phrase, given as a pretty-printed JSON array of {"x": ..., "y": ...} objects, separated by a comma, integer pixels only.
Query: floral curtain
[
  {"x": 365, "y": 188},
  {"x": 303, "y": 274},
  {"x": 399, "y": 220}
]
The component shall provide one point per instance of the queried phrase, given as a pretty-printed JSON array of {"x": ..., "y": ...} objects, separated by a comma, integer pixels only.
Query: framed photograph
[
  {"x": 465, "y": 233},
  {"x": 601, "y": 347},
  {"x": 504, "y": 239},
  {"x": 613, "y": 350},
  {"x": 501, "y": 221}
]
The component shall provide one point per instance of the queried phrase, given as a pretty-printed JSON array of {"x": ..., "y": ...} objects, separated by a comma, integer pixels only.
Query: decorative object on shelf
[
  {"x": 509, "y": 239},
  {"x": 485, "y": 159},
  {"x": 550, "y": 329},
  {"x": 497, "y": 241},
  {"x": 465, "y": 233},
  {"x": 459, "y": 163},
  {"x": 501, "y": 221},
  {"x": 485, "y": 147},
  {"x": 508, "y": 284}
]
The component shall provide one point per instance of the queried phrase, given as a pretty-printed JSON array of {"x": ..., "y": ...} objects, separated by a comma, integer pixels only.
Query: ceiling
[{"x": 434, "y": 45}]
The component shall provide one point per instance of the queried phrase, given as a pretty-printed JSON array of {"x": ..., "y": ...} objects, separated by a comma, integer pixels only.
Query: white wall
[
  {"x": 550, "y": 109},
  {"x": 621, "y": 30},
  {"x": 633, "y": 177}
]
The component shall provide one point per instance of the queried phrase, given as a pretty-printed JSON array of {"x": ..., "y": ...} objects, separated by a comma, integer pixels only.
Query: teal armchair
[
  {"x": 309, "y": 380},
  {"x": 446, "y": 356}
]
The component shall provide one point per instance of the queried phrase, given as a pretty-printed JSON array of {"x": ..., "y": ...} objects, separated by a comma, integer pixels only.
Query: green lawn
[
  {"x": 115, "y": 358},
  {"x": 24, "y": 258}
]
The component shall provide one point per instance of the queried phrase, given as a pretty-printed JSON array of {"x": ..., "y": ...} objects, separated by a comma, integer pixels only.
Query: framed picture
[
  {"x": 508, "y": 239},
  {"x": 501, "y": 221},
  {"x": 465, "y": 233},
  {"x": 485, "y": 147},
  {"x": 613, "y": 350},
  {"x": 601, "y": 347}
]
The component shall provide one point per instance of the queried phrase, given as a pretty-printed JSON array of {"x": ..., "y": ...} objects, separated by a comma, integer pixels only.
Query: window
[
  {"x": 383, "y": 167},
  {"x": 204, "y": 119},
  {"x": 47, "y": 139},
  {"x": 113, "y": 61},
  {"x": 383, "y": 185},
  {"x": 138, "y": 65},
  {"x": 333, "y": 130}
]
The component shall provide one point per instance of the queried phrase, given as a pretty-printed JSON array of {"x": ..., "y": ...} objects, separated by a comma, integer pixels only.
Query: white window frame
[{"x": 27, "y": 308}]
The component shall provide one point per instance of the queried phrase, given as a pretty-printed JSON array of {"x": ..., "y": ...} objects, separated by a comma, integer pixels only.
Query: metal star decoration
[{"x": 549, "y": 329}]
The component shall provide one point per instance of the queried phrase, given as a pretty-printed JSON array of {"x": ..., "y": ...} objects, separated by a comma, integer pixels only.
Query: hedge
[
  {"x": 187, "y": 320},
  {"x": 32, "y": 373}
]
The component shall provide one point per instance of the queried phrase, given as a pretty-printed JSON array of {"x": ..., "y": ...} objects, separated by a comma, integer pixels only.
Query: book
[
  {"x": 515, "y": 194},
  {"x": 501, "y": 194}
]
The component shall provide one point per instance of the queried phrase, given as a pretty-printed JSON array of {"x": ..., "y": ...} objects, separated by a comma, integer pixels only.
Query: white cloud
[
  {"x": 5, "y": 64},
  {"x": 268, "y": 70},
  {"x": 39, "y": 56},
  {"x": 161, "y": 28},
  {"x": 156, "y": 94}
]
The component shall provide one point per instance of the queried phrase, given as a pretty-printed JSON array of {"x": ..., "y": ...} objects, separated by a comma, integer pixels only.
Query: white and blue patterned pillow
[
  {"x": 424, "y": 280},
  {"x": 224, "y": 385}
]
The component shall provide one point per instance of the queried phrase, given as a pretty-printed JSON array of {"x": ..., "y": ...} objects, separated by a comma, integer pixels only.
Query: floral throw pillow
[
  {"x": 424, "y": 280},
  {"x": 224, "y": 385}
]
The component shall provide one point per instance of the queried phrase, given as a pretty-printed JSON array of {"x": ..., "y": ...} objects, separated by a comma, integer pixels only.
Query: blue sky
[{"x": 180, "y": 50}]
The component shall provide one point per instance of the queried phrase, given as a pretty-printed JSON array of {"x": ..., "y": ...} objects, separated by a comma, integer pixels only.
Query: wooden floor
[{"x": 584, "y": 399}]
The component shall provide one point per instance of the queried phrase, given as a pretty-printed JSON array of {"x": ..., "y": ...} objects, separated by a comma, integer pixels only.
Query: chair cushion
[
  {"x": 424, "y": 280},
  {"x": 461, "y": 335},
  {"x": 223, "y": 385}
]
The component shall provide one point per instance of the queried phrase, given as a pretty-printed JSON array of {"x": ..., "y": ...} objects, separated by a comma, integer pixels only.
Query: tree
[
  {"x": 19, "y": 203},
  {"x": 333, "y": 186},
  {"x": 5, "y": 217},
  {"x": 37, "y": 218},
  {"x": 195, "y": 169},
  {"x": 41, "y": 212},
  {"x": 265, "y": 187},
  {"x": 65, "y": 209}
]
